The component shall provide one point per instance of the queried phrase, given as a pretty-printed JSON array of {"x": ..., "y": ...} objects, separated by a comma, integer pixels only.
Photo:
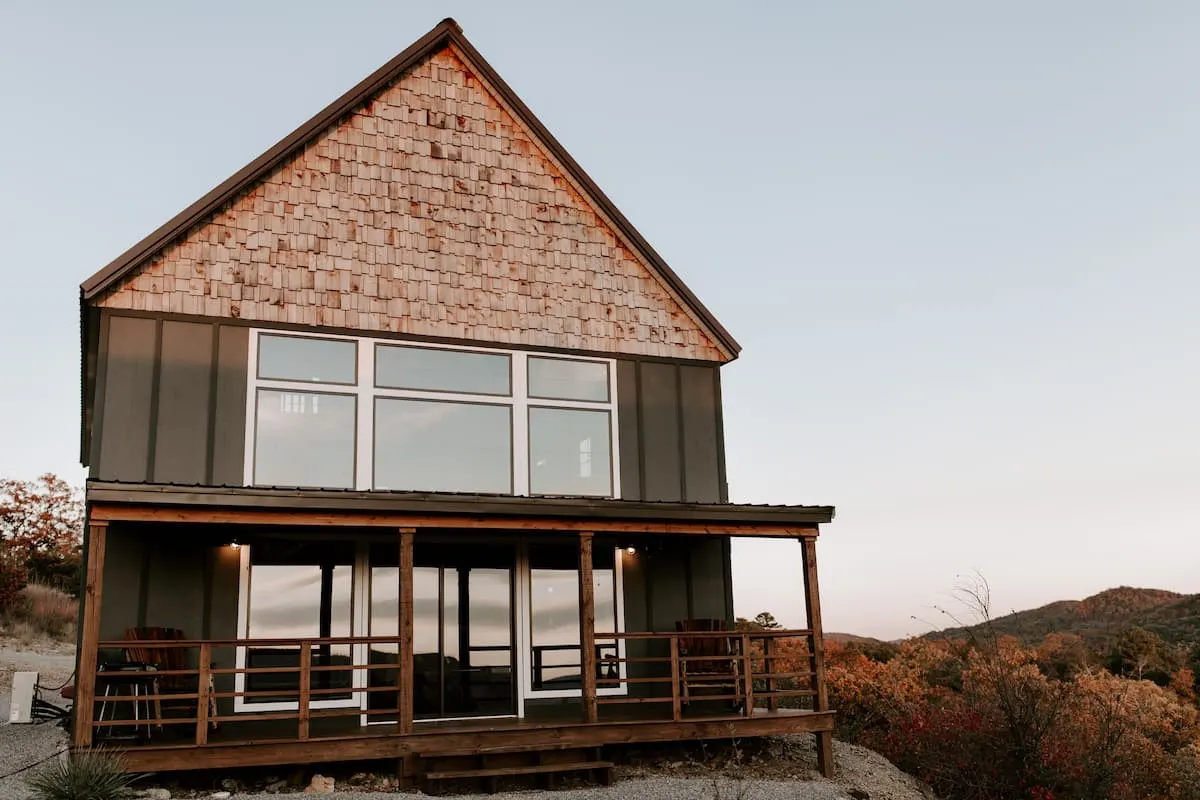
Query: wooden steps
[{"x": 488, "y": 768}]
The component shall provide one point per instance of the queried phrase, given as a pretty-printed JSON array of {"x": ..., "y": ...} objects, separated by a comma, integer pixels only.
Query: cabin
[{"x": 404, "y": 444}]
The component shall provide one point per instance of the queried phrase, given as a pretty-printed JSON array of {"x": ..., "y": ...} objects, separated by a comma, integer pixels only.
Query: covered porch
[{"x": 430, "y": 626}]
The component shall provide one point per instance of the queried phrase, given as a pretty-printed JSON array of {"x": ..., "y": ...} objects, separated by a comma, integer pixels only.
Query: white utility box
[{"x": 23, "y": 687}]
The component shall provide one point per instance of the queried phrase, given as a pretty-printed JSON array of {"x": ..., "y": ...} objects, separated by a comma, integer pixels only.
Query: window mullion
[
  {"x": 365, "y": 428},
  {"x": 520, "y": 433}
]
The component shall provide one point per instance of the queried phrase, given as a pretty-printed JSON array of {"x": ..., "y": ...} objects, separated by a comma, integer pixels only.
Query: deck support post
[
  {"x": 812, "y": 602},
  {"x": 404, "y": 674},
  {"x": 587, "y": 627},
  {"x": 89, "y": 638}
]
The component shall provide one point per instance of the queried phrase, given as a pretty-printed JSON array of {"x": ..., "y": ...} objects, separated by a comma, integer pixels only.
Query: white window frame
[
  {"x": 365, "y": 392},
  {"x": 360, "y": 620},
  {"x": 358, "y": 679},
  {"x": 525, "y": 633}
]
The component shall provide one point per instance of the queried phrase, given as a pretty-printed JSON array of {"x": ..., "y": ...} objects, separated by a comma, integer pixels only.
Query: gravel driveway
[{"x": 24, "y": 745}]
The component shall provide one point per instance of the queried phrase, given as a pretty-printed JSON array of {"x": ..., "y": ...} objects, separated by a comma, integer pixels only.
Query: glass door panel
[
  {"x": 298, "y": 590},
  {"x": 488, "y": 641},
  {"x": 383, "y": 620},
  {"x": 462, "y": 631},
  {"x": 555, "y": 660}
]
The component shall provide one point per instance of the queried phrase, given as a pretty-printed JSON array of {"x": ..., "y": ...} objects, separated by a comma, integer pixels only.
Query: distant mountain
[
  {"x": 849, "y": 638},
  {"x": 1173, "y": 616}
]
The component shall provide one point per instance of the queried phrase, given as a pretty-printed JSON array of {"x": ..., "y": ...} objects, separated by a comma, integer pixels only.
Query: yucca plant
[{"x": 90, "y": 775}]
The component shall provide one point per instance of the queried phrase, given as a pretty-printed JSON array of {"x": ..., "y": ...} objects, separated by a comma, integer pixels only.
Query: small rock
[
  {"x": 229, "y": 785},
  {"x": 275, "y": 786},
  {"x": 320, "y": 785},
  {"x": 221, "y": 795},
  {"x": 155, "y": 794}
]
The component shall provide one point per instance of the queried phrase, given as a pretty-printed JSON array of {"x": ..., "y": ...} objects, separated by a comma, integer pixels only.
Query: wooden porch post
[
  {"x": 405, "y": 632},
  {"x": 812, "y": 602},
  {"x": 587, "y": 627},
  {"x": 85, "y": 682}
]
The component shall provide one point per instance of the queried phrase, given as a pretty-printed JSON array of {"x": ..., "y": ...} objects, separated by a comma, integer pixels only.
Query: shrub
[
  {"x": 43, "y": 611},
  {"x": 13, "y": 577},
  {"x": 91, "y": 775},
  {"x": 988, "y": 719},
  {"x": 50, "y": 610}
]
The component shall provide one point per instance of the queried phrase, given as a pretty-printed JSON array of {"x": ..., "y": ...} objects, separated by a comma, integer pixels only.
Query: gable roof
[{"x": 445, "y": 34}]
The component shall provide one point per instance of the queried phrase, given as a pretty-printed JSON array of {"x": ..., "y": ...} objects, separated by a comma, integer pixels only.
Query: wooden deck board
[{"x": 268, "y": 744}]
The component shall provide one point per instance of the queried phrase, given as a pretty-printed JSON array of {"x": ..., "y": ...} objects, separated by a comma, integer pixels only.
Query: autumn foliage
[
  {"x": 987, "y": 718},
  {"x": 41, "y": 523}
]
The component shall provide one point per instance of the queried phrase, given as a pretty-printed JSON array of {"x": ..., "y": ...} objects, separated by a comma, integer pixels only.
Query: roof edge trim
[{"x": 445, "y": 33}]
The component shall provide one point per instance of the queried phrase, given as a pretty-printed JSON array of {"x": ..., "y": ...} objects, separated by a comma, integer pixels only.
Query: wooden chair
[
  {"x": 709, "y": 662},
  {"x": 168, "y": 659}
]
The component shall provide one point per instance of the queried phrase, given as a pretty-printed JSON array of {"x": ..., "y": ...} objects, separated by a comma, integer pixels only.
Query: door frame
[
  {"x": 524, "y": 610},
  {"x": 358, "y": 677}
]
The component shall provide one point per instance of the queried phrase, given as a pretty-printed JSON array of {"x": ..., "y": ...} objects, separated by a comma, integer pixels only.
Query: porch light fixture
[
  {"x": 631, "y": 550},
  {"x": 234, "y": 544}
]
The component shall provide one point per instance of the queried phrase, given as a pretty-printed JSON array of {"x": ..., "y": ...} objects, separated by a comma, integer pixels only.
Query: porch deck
[
  {"x": 268, "y": 742},
  {"x": 308, "y": 700}
]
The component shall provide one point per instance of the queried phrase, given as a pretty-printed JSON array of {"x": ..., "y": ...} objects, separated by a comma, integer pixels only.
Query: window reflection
[
  {"x": 298, "y": 591},
  {"x": 304, "y": 439},
  {"x": 462, "y": 630},
  {"x": 555, "y": 657},
  {"x": 569, "y": 452},
  {"x": 440, "y": 446}
]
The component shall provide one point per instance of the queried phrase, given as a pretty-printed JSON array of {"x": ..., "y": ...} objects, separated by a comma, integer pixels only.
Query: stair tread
[{"x": 523, "y": 770}]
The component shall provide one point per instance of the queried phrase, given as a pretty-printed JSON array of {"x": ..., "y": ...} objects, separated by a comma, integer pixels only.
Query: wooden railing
[
  {"x": 742, "y": 666},
  {"x": 144, "y": 687},
  {"x": 737, "y": 673}
]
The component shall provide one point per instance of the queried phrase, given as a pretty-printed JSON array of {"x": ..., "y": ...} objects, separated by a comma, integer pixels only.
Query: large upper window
[{"x": 374, "y": 414}]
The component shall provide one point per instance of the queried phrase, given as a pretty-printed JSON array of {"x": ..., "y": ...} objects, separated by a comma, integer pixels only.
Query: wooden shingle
[{"x": 430, "y": 211}]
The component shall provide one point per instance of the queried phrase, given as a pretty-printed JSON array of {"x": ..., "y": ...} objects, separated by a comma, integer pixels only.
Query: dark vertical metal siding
[
  {"x": 662, "y": 475},
  {"x": 633, "y": 579},
  {"x": 707, "y": 570},
  {"x": 184, "y": 383},
  {"x": 629, "y": 446},
  {"x": 698, "y": 408},
  {"x": 222, "y": 618},
  {"x": 122, "y": 576},
  {"x": 128, "y": 393},
  {"x": 175, "y": 590},
  {"x": 171, "y": 402},
  {"x": 229, "y": 408},
  {"x": 670, "y": 438}
]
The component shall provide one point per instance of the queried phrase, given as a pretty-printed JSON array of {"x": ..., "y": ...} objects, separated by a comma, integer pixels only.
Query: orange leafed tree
[
  {"x": 41, "y": 529},
  {"x": 40, "y": 516}
]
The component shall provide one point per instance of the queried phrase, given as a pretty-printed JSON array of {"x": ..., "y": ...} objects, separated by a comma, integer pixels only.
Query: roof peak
[{"x": 447, "y": 33}]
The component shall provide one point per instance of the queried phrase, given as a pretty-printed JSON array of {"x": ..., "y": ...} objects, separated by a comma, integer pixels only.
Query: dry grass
[{"x": 41, "y": 612}]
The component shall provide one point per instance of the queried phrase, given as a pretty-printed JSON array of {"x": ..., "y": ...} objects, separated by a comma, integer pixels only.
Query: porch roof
[{"x": 232, "y": 505}]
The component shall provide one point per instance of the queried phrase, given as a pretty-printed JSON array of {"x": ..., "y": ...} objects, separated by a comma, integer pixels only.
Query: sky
[{"x": 958, "y": 243}]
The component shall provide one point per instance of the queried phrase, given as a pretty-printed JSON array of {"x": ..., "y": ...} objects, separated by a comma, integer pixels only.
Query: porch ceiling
[{"x": 263, "y": 506}]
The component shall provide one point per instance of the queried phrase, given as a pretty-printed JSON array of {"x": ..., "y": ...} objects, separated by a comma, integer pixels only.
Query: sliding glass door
[
  {"x": 462, "y": 630},
  {"x": 296, "y": 590}
]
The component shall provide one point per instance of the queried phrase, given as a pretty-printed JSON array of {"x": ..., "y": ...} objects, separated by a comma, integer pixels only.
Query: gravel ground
[
  {"x": 639, "y": 789},
  {"x": 783, "y": 768},
  {"x": 24, "y": 745}
]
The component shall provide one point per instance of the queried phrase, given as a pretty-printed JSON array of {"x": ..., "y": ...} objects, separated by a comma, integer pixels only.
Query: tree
[
  {"x": 41, "y": 526},
  {"x": 1062, "y": 656},
  {"x": 766, "y": 621},
  {"x": 1142, "y": 655}
]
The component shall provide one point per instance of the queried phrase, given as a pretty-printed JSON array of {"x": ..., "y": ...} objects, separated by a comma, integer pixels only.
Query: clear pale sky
[{"x": 959, "y": 245}]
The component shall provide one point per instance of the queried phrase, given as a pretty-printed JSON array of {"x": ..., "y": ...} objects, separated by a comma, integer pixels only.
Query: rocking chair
[
  {"x": 168, "y": 660},
  {"x": 709, "y": 662}
]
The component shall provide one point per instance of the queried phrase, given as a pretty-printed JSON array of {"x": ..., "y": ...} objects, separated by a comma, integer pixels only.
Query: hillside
[{"x": 1100, "y": 618}]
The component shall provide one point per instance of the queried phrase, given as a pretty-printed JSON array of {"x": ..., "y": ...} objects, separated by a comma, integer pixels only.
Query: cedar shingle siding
[{"x": 431, "y": 211}]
